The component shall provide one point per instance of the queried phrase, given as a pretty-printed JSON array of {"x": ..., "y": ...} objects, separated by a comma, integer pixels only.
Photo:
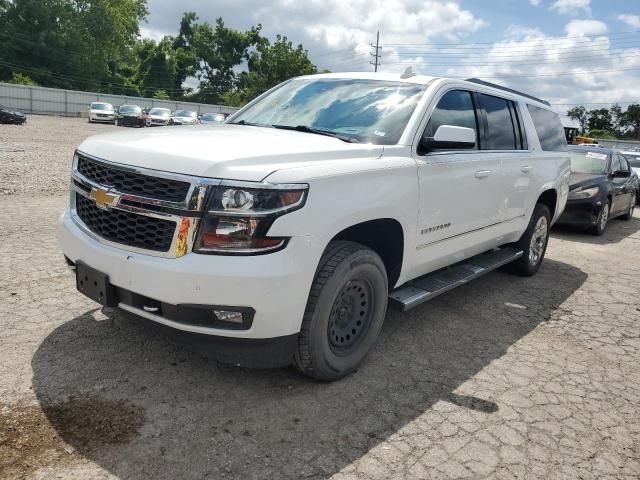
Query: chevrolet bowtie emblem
[{"x": 103, "y": 198}]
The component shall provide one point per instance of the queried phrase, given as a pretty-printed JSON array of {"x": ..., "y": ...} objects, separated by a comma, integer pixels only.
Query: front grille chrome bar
[{"x": 186, "y": 214}]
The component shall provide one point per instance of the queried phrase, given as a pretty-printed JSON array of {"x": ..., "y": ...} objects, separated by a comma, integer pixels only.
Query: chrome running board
[{"x": 429, "y": 286}]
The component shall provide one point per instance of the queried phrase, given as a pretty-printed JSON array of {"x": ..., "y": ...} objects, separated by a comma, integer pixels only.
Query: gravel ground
[
  {"x": 35, "y": 157},
  {"x": 505, "y": 377}
]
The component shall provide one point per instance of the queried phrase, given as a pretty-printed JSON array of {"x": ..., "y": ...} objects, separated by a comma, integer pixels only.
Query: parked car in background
[
  {"x": 130, "y": 116},
  {"x": 633, "y": 157},
  {"x": 158, "y": 117},
  {"x": 213, "y": 118},
  {"x": 101, "y": 112},
  {"x": 284, "y": 234},
  {"x": 8, "y": 115},
  {"x": 184, "y": 117},
  {"x": 601, "y": 187}
]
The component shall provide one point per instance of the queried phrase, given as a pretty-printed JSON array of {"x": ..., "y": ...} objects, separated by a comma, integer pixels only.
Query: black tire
[
  {"x": 345, "y": 310},
  {"x": 531, "y": 259},
  {"x": 603, "y": 218},
  {"x": 632, "y": 206}
]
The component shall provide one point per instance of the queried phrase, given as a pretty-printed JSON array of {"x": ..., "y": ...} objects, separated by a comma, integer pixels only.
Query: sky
[{"x": 565, "y": 51}]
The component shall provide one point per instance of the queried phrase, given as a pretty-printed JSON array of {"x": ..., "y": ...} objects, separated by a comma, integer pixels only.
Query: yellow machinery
[{"x": 571, "y": 133}]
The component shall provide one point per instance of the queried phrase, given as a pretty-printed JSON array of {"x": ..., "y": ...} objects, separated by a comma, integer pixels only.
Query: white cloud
[
  {"x": 535, "y": 3},
  {"x": 337, "y": 33},
  {"x": 585, "y": 27},
  {"x": 632, "y": 20},
  {"x": 561, "y": 69},
  {"x": 572, "y": 7}
]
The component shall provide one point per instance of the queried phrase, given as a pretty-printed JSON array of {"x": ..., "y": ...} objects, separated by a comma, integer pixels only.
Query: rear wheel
[
  {"x": 632, "y": 206},
  {"x": 533, "y": 243},
  {"x": 345, "y": 311},
  {"x": 603, "y": 219}
]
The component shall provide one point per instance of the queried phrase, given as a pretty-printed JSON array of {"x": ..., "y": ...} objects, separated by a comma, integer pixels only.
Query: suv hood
[{"x": 238, "y": 152}]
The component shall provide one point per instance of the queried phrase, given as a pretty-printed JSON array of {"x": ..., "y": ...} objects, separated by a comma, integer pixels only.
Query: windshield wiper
[
  {"x": 317, "y": 131},
  {"x": 251, "y": 124}
]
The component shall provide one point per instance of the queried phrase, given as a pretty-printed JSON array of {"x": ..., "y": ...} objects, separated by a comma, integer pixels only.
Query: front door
[{"x": 461, "y": 191}]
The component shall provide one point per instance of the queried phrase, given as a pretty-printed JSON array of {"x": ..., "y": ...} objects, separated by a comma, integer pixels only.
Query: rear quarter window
[{"x": 548, "y": 128}]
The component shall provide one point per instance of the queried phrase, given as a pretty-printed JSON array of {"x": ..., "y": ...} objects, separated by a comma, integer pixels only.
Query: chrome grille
[
  {"x": 133, "y": 183},
  {"x": 126, "y": 228}
]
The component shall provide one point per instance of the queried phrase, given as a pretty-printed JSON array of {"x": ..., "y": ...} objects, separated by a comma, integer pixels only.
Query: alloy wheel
[
  {"x": 538, "y": 240},
  {"x": 604, "y": 216}
]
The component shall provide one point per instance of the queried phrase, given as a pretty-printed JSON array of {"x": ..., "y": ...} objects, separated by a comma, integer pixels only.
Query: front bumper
[
  {"x": 127, "y": 121},
  {"x": 581, "y": 212},
  {"x": 95, "y": 118},
  {"x": 276, "y": 286}
]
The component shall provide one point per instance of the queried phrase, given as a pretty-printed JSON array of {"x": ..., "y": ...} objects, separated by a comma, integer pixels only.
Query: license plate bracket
[{"x": 95, "y": 285}]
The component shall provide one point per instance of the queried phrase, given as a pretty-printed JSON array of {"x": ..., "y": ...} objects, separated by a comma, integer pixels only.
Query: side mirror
[
  {"x": 621, "y": 174},
  {"x": 450, "y": 137}
]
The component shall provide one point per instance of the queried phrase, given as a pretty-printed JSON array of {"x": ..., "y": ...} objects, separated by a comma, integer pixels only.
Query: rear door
[{"x": 503, "y": 140}]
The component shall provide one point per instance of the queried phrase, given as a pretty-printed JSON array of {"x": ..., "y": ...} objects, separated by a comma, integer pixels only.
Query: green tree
[
  {"x": 219, "y": 51},
  {"x": 631, "y": 119},
  {"x": 157, "y": 66},
  {"x": 21, "y": 79},
  {"x": 160, "y": 95},
  {"x": 185, "y": 54},
  {"x": 579, "y": 114},
  {"x": 595, "y": 133},
  {"x": 600, "y": 119},
  {"x": 68, "y": 43}
]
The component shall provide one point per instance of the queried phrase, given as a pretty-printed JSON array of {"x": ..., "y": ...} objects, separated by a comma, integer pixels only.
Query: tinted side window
[
  {"x": 549, "y": 129},
  {"x": 624, "y": 166},
  {"x": 500, "y": 133},
  {"x": 454, "y": 108}
]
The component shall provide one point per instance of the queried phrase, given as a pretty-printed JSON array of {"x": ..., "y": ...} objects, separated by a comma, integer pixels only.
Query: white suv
[{"x": 284, "y": 233}]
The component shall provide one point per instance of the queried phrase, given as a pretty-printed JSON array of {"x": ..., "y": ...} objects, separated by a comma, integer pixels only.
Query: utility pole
[{"x": 376, "y": 54}]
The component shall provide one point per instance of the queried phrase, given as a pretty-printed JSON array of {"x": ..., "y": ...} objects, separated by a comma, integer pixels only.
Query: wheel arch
[
  {"x": 384, "y": 236},
  {"x": 549, "y": 198}
]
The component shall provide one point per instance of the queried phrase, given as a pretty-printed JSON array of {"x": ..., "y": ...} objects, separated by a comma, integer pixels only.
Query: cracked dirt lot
[{"x": 506, "y": 377}]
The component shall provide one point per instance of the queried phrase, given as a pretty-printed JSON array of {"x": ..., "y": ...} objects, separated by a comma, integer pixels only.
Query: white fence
[
  {"x": 55, "y": 101},
  {"x": 619, "y": 144}
]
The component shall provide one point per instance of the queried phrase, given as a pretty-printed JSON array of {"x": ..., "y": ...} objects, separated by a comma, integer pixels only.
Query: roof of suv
[{"x": 424, "y": 80}]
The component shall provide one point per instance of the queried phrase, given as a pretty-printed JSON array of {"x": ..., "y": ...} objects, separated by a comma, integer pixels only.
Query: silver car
[
  {"x": 184, "y": 117},
  {"x": 158, "y": 117},
  {"x": 101, "y": 112}
]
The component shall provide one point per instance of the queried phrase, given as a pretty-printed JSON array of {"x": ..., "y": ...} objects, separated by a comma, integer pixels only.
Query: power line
[{"x": 534, "y": 40}]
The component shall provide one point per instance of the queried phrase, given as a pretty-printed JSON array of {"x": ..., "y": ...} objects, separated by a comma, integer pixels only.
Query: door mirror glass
[{"x": 450, "y": 137}]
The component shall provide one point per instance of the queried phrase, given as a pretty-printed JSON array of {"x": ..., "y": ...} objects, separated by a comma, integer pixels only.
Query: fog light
[{"x": 228, "y": 316}]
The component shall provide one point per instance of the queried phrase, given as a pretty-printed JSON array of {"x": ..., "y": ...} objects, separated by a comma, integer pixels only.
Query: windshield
[
  {"x": 370, "y": 111},
  {"x": 161, "y": 112},
  {"x": 588, "y": 162},
  {"x": 129, "y": 109},
  {"x": 101, "y": 106},
  {"x": 186, "y": 113}
]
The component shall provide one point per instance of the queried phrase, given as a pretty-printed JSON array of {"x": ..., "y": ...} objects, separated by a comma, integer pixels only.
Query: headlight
[
  {"x": 239, "y": 216},
  {"x": 582, "y": 194}
]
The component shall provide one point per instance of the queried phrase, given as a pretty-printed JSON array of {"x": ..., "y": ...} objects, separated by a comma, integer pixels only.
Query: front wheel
[
  {"x": 601, "y": 222},
  {"x": 533, "y": 243},
  {"x": 344, "y": 313}
]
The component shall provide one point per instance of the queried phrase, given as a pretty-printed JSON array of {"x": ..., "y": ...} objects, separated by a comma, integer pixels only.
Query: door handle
[
  {"x": 526, "y": 168},
  {"x": 483, "y": 173}
]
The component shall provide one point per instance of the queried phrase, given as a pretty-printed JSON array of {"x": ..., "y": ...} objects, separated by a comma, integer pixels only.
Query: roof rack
[{"x": 506, "y": 89}]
